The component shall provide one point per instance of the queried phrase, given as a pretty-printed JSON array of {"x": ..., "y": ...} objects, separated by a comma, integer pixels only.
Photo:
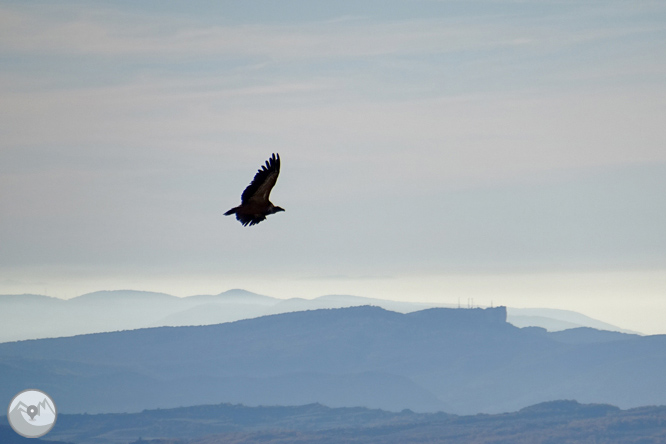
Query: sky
[{"x": 432, "y": 150}]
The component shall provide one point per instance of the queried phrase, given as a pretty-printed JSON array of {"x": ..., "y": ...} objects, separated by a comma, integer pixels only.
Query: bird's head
[{"x": 275, "y": 209}]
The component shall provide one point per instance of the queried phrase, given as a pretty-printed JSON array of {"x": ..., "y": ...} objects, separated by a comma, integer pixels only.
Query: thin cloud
[{"x": 111, "y": 33}]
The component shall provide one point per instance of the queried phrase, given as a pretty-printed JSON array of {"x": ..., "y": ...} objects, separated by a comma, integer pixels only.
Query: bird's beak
[{"x": 278, "y": 209}]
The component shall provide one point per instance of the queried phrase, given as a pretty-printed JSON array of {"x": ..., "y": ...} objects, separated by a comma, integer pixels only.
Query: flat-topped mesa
[{"x": 469, "y": 317}]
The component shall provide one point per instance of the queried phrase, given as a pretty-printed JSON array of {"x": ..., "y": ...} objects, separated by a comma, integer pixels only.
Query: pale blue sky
[{"x": 426, "y": 145}]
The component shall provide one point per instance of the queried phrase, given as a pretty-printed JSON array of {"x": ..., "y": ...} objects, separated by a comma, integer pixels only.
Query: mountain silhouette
[
  {"x": 556, "y": 421},
  {"x": 9, "y": 436},
  {"x": 35, "y": 316},
  {"x": 454, "y": 360}
]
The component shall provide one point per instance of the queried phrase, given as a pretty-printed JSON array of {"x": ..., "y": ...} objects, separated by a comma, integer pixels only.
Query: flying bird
[{"x": 255, "y": 205}]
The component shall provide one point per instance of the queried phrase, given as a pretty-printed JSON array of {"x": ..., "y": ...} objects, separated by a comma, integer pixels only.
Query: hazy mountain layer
[
  {"x": 453, "y": 360},
  {"x": 34, "y": 316},
  {"x": 558, "y": 421}
]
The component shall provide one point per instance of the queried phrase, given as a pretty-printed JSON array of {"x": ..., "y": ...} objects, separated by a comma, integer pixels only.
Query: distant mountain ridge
[
  {"x": 557, "y": 421},
  {"x": 34, "y": 316},
  {"x": 438, "y": 359}
]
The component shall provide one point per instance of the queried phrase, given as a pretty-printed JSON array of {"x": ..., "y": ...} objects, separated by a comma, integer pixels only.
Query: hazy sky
[{"x": 510, "y": 151}]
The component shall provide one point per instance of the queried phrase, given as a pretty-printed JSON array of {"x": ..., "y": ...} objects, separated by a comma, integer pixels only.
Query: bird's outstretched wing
[
  {"x": 260, "y": 188},
  {"x": 249, "y": 219}
]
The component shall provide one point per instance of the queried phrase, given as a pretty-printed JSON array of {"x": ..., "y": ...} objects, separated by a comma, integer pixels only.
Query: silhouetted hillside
[
  {"x": 458, "y": 361},
  {"x": 553, "y": 422},
  {"x": 9, "y": 436},
  {"x": 33, "y": 316},
  {"x": 585, "y": 425}
]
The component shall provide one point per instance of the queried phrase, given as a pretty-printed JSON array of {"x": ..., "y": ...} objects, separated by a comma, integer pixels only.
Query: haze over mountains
[
  {"x": 35, "y": 316},
  {"x": 546, "y": 423},
  {"x": 452, "y": 360}
]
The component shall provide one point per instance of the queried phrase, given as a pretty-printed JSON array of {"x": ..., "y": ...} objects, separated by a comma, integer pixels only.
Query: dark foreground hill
[
  {"x": 8, "y": 436},
  {"x": 553, "y": 422},
  {"x": 452, "y": 360}
]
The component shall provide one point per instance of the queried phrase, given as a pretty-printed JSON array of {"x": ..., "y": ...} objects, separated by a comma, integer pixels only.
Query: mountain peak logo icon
[{"x": 32, "y": 413}]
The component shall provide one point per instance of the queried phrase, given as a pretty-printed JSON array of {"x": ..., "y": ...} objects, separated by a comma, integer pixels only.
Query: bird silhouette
[{"x": 255, "y": 205}]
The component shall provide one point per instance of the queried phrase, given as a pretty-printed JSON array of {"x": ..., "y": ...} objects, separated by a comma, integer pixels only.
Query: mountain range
[
  {"x": 454, "y": 360},
  {"x": 557, "y": 421},
  {"x": 30, "y": 316}
]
